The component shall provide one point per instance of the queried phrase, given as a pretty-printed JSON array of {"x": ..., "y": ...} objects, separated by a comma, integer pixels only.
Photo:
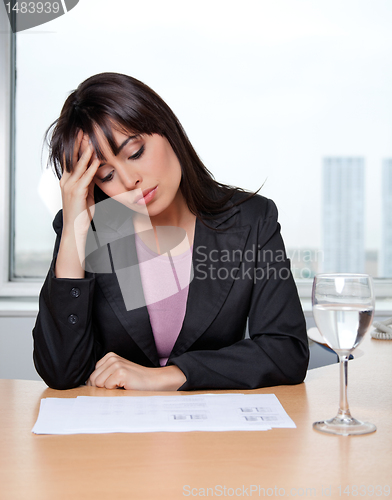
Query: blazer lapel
[
  {"x": 216, "y": 261},
  {"x": 136, "y": 322}
]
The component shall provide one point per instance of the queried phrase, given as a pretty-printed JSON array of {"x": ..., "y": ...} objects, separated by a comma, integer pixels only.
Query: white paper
[{"x": 199, "y": 412}]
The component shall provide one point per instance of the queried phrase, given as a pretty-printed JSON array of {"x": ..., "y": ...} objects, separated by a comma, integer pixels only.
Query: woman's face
[{"x": 145, "y": 175}]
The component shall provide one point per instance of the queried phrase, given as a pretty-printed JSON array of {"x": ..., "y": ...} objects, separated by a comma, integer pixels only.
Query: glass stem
[{"x": 344, "y": 410}]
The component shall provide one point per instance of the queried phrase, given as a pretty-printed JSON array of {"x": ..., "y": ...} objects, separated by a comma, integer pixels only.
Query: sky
[{"x": 265, "y": 90}]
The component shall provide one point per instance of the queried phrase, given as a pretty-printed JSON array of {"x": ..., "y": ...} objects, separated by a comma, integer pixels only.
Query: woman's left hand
[{"x": 113, "y": 371}]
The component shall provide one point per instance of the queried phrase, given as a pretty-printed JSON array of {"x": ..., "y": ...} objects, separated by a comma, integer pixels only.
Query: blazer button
[
  {"x": 75, "y": 292},
  {"x": 73, "y": 319}
]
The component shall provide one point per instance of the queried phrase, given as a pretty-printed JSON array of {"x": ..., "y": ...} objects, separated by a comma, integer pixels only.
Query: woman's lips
[{"x": 146, "y": 196}]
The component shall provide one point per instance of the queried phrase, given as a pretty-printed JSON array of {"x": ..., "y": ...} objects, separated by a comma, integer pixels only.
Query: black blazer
[{"x": 241, "y": 273}]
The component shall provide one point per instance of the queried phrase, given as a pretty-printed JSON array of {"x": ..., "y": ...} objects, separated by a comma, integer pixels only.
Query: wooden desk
[{"x": 167, "y": 465}]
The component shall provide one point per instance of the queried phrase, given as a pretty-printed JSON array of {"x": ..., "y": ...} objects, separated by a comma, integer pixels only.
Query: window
[{"x": 273, "y": 93}]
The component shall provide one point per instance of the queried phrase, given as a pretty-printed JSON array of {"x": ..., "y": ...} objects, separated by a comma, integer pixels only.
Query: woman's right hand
[
  {"x": 77, "y": 191},
  {"x": 77, "y": 187}
]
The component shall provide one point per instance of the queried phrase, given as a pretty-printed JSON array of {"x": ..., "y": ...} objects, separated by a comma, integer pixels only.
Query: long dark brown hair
[{"x": 110, "y": 100}]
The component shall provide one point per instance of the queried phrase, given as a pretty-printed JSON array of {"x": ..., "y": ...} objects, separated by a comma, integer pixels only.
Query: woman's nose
[{"x": 130, "y": 178}]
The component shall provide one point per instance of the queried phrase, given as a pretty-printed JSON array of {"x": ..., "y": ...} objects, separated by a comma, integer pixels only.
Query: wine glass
[{"x": 343, "y": 308}]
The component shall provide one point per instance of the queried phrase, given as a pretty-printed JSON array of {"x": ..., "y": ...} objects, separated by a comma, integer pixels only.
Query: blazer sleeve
[
  {"x": 63, "y": 334},
  {"x": 277, "y": 351}
]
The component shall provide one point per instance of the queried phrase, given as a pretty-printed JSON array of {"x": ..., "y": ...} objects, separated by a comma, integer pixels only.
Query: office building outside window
[
  {"x": 386, "y": 246},
  {"x": 343, "y": 215}
]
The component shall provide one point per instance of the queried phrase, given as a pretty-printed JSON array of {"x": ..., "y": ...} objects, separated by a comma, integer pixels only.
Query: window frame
[
  {"x": 28, "y": 288},
  {"x": 8, "y": 287}
]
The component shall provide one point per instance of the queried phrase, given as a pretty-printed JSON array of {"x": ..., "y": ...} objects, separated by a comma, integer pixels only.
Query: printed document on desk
[{"x": 199, "y": 412}]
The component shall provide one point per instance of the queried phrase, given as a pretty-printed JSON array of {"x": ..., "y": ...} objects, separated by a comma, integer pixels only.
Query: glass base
[{"x": 346, "y": 426}]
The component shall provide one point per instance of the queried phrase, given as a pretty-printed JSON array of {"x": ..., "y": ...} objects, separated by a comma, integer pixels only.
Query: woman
[{"x": 157, "y": 267}]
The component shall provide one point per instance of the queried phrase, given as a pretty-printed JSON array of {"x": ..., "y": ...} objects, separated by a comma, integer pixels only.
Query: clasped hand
[{"x": 113, "y": 371}]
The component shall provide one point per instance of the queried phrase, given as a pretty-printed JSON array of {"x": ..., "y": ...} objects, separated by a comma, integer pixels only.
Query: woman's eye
[
  {"x": 108, "y": 177},
  {"x": 138, "y": 154}
]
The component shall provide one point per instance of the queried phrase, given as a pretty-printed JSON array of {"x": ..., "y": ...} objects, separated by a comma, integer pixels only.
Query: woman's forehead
[{"x": 103, "y": 140}]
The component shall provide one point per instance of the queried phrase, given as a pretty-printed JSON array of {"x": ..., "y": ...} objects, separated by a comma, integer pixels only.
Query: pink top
[{"x": 165, "y": 281}]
